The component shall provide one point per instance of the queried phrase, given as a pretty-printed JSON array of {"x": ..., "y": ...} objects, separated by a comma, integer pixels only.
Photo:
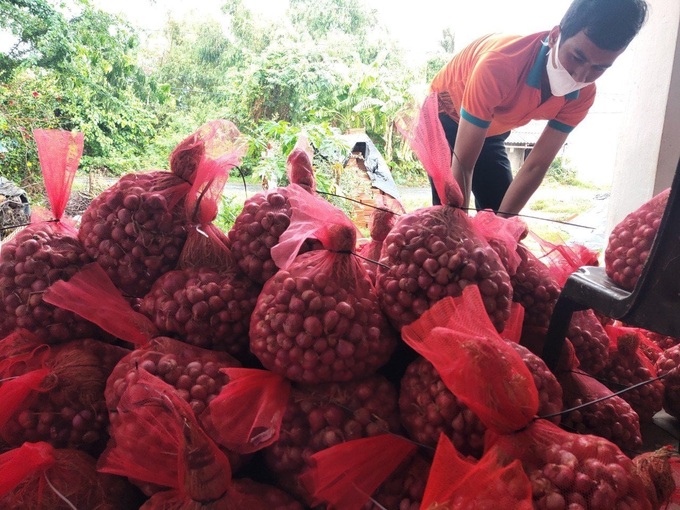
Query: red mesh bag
[
  {"x": 299, "y": 166},
  {"x": 564, "y": 468},
  {"x": 627, "y": 367},
  {"x": 156, "y": 440},
  {"x": 256, "y": 230},
  {"x": 630, "y": 241},
  {"x": 429, "y": 409},
  {"x": 663, "y": 341},
  {"x": 667, "y": 367},
  {"x": 536, "y": 286},
  {"x": 193, "y": 372},
  {"x": 346, "y": 475},
  {"x": 246, "y": 415},
  {"x": 458, "y": 340},
  {"x": 39, "y": 477},
  {"x": 569, "y": 470},
  {"x": 136, "y": 229},
  {"x": 318, "y": 319},
  {"x": 435, "y": 252},
  {"x": 320, "y": 416},
  {"x": 592, "y": 408},
  {"x": 46, "y": 251},
  {"x": 55, "y": 393},
  {"x": 503, "y": 234},
  {"x": 656, "y": 469},
  {"x": 382, "y": 221},
  {"x": 456, "y": 483},
  {"x": 204, "y": 307}
]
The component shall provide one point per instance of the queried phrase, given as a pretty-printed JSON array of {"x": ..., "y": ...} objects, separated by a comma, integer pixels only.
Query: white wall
[{"x": 648, "y": 145}]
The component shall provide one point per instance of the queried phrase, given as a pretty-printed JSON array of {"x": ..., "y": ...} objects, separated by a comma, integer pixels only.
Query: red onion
[
  {"x": 136, "y": 229},
  {"x": 320, "y": 321},
  {"x": 321, "y": 416},
  {"x": 433, "y": 253},
  {"x": 204, "y": 308},
  {"x": 68, "y": 410},
  {"x": 38, "y": 256},
  {"x": 630, "y": 241}
]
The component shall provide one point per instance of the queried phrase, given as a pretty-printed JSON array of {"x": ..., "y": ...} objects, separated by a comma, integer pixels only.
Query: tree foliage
[{"x": 324, "y": 67}]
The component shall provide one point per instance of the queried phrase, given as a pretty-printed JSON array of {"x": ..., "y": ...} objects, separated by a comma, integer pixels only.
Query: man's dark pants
[{"x": 492, "y": 174}]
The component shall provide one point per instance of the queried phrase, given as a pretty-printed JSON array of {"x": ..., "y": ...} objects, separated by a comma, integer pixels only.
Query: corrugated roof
[{"x": 526, "y": 136}]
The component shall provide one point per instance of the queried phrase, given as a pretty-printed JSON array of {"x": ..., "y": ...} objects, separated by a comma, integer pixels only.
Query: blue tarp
[{"x": 376, "y": 167}]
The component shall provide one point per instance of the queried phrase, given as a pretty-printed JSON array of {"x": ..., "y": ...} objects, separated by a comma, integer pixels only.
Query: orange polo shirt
[{"x": 495, "y": 83}]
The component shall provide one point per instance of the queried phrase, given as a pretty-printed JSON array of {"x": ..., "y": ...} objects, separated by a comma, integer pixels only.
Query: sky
[{"x": 416, "y": 25}]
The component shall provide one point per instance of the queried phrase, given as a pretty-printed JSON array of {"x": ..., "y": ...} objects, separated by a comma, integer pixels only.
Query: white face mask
[{"x": 561, "y": 82}]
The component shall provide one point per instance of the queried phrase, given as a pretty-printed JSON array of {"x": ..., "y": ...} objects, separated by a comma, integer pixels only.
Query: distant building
[{"x": 521, "y": 141}]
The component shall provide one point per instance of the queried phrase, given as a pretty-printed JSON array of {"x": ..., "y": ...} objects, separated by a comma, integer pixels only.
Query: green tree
[
  {"x": 321, "y": 18},
  {"x": 83, "y": 63}
]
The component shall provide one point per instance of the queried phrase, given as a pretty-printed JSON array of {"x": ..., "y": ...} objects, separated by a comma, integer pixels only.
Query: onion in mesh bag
[
  {"x": 602, "y": 413},
  {"x": 35, "y": 258},
  {"x": 428, "y": 408},
  {"x": 204, "y": 308},
  {"x": 56, "y": 393},
  {"x": 135, "y": 230},
  {"x": 667, "y": 366},
  {"x": 192, "y": 371},
  {"x": 630, "y": 241},
  {"x": 40, "y": 477},
  {"x": 656, "y": 470},
  {"x": 577, "y": 471},
  {"x": 321, "y": 416},
  {"x": 627, "y": 367},
  {"x": 46, "y": 251},
  {"x": 311, "y": 324},
  {"x": 318, "y": 318},
  {"x": 433, "y": 253}
]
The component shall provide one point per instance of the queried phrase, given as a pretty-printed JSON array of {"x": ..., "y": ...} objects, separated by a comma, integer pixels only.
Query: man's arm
[
  {"x": 469, "y": 142},
  {"x": 530, "y": 175}
]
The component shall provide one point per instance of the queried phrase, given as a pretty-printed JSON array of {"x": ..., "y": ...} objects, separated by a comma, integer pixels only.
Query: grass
[{"x": 559, "y": 209}]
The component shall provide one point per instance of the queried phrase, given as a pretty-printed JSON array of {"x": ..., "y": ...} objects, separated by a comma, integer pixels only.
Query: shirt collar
[{"x": 536, "y": 72}]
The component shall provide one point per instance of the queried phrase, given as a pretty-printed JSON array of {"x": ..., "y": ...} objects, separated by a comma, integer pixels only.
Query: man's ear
[{"x": 553, "y": 35}]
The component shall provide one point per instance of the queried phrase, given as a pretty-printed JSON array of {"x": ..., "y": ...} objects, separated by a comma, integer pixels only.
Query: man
[{"x": 499, "y": 83}]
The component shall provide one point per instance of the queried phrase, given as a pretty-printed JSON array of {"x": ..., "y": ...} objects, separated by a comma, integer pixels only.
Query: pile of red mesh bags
[
  {"x": 287, "y": 364},
  {"x": 561, "y": 468}
]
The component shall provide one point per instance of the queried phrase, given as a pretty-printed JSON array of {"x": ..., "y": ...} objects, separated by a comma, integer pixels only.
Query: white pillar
[{"x": 648, "y": 148}]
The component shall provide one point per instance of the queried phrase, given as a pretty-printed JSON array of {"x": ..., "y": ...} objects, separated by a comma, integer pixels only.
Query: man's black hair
[{"x": 610, "y": 24}]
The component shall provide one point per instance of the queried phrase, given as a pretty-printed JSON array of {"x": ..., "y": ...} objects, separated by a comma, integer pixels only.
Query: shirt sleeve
[
  {"x": 574, "y": 111},
  {"x": 490, "y": 82}
]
